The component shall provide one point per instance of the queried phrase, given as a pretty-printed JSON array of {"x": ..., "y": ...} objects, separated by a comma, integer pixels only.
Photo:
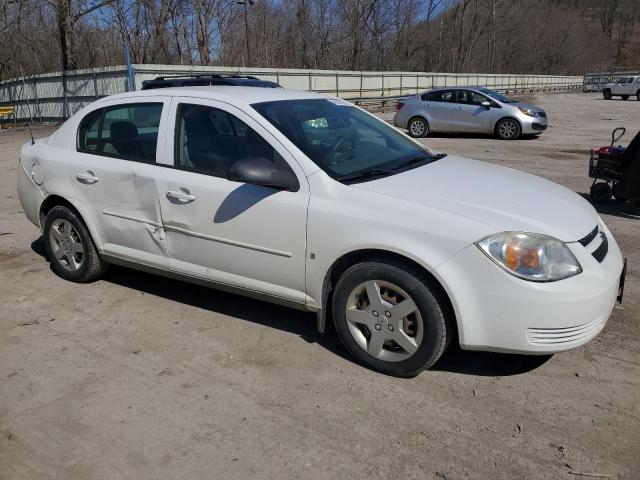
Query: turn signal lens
[{"x": 531, "y": 256}]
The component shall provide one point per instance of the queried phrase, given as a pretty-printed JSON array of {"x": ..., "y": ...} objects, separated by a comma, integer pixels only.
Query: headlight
[
  {"x": 531, "y": 256},
  {"x": 528, "y": 111}
]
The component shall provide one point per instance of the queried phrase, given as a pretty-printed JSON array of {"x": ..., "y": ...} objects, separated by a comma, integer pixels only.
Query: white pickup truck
[{"x": 623, "y": 87}]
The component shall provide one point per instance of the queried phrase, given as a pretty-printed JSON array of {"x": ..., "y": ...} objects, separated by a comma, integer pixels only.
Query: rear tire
[
  {"x": 418, "y": 127},
  {"x": 606, "y": 94},
  {"x": 625, "y": 97},
  {"x": 390, "y": 319},
  {"x": 70, "y": 248},
  {"x": 638, "y": 95},
  {"x": 600, "y": 192},
  {"x": 508, "y": 129}
]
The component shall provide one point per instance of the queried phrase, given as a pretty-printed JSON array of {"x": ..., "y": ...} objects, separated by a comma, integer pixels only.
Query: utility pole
[{"x": 246, "y": 4}]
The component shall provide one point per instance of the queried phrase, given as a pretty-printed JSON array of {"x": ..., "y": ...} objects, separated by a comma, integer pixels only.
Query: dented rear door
[{"x": 122, "y": 194}]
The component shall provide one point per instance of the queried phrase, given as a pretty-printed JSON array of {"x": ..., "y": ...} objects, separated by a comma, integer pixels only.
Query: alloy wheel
[
  {"x": 508, "y": 129},
  {"x": 418, "y": 128},
  {"x": 384, "y": 320},
  {"x": 66, "y": 245}
]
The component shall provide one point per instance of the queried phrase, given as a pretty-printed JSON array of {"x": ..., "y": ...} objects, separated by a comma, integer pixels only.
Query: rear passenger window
[
  {"x": 129, "y": 132},
  {"x": 88, "y": 131},
  {"x": 442, "y": 96},
  {"x": 209, "y": 140}
]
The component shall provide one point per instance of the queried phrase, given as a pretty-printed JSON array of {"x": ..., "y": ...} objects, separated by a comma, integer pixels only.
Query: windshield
[
  {"x": 496, "y": 95},
  {"x": 622, "y": 80},
  {"x": 344, "y": 141}
]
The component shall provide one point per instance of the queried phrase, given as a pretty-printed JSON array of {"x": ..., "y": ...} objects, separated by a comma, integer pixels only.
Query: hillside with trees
[{"x": 488, "y": 36}]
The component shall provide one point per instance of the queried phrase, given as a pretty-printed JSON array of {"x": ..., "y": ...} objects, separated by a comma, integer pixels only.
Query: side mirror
[
  {"x": 486, "y": 104},
  {"x": 260, "y": 171}
]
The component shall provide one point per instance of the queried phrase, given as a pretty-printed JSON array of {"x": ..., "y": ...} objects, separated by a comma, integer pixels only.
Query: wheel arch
[
  {"x": 54, "y": 200},
  {"x": 349, "y": 259}
]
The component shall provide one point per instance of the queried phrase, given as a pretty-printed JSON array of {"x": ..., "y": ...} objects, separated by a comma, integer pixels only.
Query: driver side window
[{"x": 209, "y": 140}]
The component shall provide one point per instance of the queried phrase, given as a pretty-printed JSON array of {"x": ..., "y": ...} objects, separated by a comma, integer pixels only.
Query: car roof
[{"x": 225, "y": 93}]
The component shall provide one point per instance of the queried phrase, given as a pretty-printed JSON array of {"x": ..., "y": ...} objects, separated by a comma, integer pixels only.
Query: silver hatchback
[{"x": 469, "y": 110}]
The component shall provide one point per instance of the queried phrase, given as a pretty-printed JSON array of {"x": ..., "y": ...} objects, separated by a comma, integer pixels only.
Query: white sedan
[{"x": 309, "y": 201}]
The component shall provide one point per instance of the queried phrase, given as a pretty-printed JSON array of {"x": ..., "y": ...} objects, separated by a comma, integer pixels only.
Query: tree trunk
[{"x": 63, "y": 13}]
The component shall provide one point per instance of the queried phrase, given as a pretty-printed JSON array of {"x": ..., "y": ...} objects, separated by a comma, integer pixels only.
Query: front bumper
[
  {"x": 499, "y": 312},
  {"x": 533, "y": 125}
]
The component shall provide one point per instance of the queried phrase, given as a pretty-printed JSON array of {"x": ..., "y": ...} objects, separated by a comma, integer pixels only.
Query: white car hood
[{"x": 503, "y": 198}]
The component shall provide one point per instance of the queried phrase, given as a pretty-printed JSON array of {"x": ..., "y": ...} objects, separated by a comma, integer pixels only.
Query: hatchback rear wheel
[
  {"x": 389, "y": 319},
  {"x": 606, "y": 94},
  {"x": 418, "y": 127},
  {"x": 70, "y": 248}
]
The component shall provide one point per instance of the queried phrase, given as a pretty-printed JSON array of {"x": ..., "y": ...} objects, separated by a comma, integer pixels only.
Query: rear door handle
[
  {"x": 87, "y": 177},
  {"x": 181, "y": 196}
]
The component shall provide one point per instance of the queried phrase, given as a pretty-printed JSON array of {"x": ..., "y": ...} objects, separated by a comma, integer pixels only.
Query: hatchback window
[
  {"x": 469, "y": 97},
  {"x": 622, "y": 80},
  {"x": 442, "y": 96},
  {"x": 209, "y": 140},
  {"x": 630, "y": 80}
]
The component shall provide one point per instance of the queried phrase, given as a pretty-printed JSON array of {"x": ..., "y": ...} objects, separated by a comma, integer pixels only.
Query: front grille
[
  {"x": 538, "y": 126},
  {"x": 568, "y": 335},
  {"x": 601, "y": 251}
]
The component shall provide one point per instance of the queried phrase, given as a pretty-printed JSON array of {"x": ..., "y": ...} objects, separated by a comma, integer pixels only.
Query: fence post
[
  {"x": 337, "y": 85},
  {"x": 382, "y": 78},
  {"x": 310, "y": 82},
  {"x": 361, "y": 80}
]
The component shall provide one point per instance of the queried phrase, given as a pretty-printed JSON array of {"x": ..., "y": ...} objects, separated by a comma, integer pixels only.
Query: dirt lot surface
[{"x": 140, "y": 377}]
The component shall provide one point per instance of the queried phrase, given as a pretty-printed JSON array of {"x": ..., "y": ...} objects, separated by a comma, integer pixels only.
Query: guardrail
[{"x": 56, "y": 96}]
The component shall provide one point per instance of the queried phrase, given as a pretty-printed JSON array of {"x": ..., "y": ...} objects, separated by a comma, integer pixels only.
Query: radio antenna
[{"x": 24, "y": 86}]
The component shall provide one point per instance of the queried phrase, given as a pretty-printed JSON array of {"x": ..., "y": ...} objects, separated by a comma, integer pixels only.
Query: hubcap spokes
[
  {"x": 508, "y": 129},
  {"x": 384, "y": 320},
  {"x": 66, "y": 245},
  {"x": 417, "y": 128}
]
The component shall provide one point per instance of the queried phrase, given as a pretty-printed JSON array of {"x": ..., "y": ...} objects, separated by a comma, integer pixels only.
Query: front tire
[
  {"x": 625, "y": 97},
  {"x": 607, "y": 94},
  {"x": 638, "y": 95},
  {"x": 508, "y": 129},
  {"x": 418, "y": 127},
  {"x": 390, "y": 319},
  {"x": 70, "y": 248}
]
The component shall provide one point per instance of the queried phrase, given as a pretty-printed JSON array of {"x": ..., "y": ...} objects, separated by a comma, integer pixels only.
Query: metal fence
[
  {"x": 55, "y": 96},
  {"x": 595, "y": 79}
]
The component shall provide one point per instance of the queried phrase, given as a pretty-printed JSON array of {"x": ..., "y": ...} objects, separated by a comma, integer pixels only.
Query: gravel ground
[{"x": 141, "y": 377}]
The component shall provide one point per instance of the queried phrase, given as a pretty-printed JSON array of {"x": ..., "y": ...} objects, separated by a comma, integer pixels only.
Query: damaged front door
[
  {"x": 235, "y": 234},
  {"x": 113, "y": 171}
]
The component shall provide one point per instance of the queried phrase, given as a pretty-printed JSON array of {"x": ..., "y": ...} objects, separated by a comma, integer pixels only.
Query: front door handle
[
  {"x": 181, "y": 196},
  {"x": 87, "y": 177}
]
